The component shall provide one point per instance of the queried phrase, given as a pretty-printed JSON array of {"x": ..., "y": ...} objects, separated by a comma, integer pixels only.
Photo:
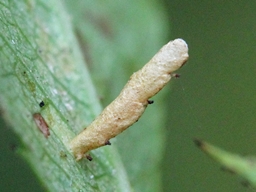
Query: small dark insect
[
  {"x": 107, "y": 143},
  {"x": 150, "y": 102},
  {"x": 41, "y": 124},
  {"x": 175, "y": 75},
  {"x": 88, "y": 157},
  {"x": 41, "y": 104}
]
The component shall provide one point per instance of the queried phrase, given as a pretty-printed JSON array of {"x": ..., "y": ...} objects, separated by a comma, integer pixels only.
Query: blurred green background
[
  {"x": 213, "y": 100},
  {"x": 215, "y": 97}
]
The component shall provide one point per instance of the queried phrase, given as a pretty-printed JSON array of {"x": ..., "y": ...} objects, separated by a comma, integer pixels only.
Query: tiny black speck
[
  {"x": 41, "y": 104},
  {"x": 89, "y": 157}
]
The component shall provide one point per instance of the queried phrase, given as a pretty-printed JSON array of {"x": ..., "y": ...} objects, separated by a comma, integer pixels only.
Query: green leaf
[
  {"x": 242, "y": 166},
  {"x": 40, "y": 61}
]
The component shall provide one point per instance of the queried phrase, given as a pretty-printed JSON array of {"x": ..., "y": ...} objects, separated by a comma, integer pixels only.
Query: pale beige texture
[{"x": 128, "y": 107}]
